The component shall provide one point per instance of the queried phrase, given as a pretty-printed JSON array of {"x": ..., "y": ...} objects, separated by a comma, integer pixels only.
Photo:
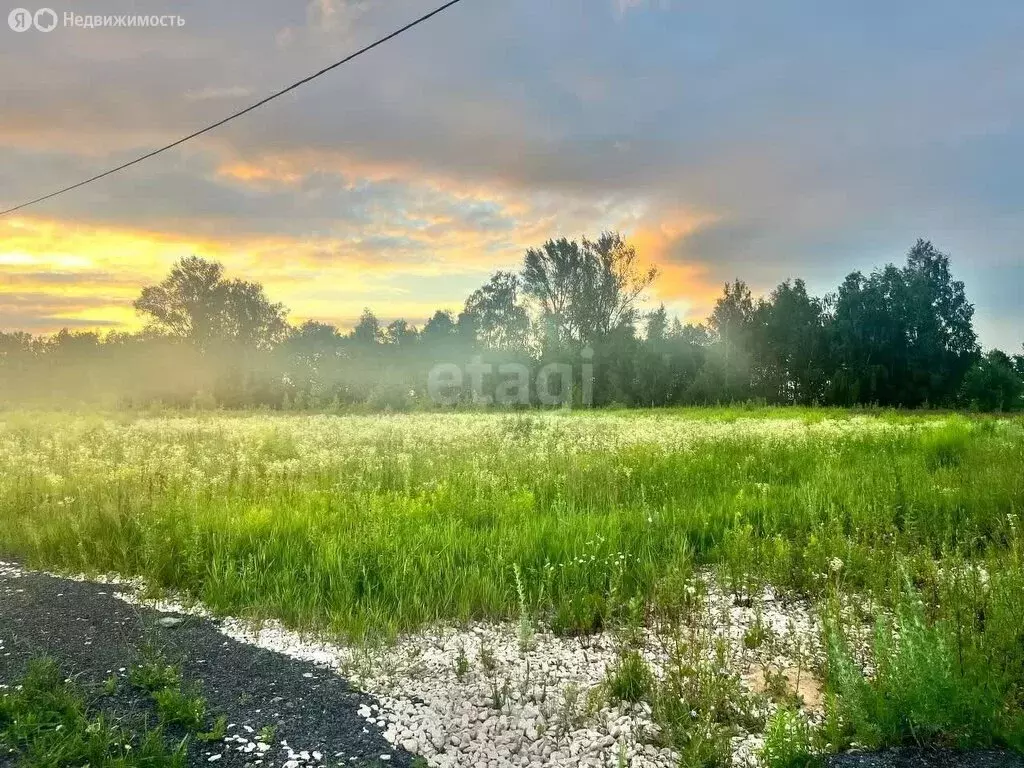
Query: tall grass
[
  {"x": 372, "y": 525},
  {"x": 379, "y": 524}
]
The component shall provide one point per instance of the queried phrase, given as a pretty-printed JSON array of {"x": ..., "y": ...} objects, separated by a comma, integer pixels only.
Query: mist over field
[{"x": 569, "y": 329}]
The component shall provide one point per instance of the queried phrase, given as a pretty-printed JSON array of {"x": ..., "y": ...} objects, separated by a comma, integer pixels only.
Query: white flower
[{"x": 835, "y": 565}]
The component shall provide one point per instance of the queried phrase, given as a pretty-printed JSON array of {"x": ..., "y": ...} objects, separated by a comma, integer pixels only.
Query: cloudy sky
[{"x": 765, "y": 140}]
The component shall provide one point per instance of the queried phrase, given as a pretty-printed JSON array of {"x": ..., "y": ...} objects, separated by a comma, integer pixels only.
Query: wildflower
[{"x": 835, "y": 565}]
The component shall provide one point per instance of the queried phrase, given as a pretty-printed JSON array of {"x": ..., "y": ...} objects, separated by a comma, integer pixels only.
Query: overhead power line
[{"x": 241, "y": 112}]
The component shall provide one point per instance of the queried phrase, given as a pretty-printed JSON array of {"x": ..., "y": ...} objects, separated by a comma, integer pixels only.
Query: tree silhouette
[
  {"x": 789, "y": 345},
  {"x": 500, "y": 319},
  {"x": 585, "y": 290},
  {"x": 196, "y": 304},
  {"x": 900, "y": 336},
  {"x": 993, "y": 384},
  {"x": 903, "y": 336}
]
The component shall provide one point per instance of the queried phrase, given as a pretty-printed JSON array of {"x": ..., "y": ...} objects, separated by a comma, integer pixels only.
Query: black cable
[{"x": 248, "y": 109}]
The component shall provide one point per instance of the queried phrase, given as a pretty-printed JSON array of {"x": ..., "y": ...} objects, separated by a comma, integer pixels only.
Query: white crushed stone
[
  {"x": 436, "y": 690},
  {"x": 429, "y": 707},
  {"x": 11, "y": 570}
]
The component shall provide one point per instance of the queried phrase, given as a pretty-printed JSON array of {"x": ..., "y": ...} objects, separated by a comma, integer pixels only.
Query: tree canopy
[
  {"x": 195, "y": 303},
  {"x": 900, "y": 336}
]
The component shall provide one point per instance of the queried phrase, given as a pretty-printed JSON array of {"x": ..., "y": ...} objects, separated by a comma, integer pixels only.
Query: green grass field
[{"x": 367, "y": 526}]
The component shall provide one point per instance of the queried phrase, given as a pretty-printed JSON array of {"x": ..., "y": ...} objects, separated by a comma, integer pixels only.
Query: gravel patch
[
  {"x": 491, "y": 695},
  {"x": 482, "y": 696}
]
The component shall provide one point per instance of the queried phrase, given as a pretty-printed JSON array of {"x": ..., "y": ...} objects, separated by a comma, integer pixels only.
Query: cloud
[
  {"x": 335, "y": 15},
  {"x": 764, "y": 141},
  {"x": 45, "y": 312},
  {"x": 686, "y": 285}
]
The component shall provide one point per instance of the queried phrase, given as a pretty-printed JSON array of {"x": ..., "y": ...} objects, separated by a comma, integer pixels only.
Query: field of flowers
[{"x": 899, "y": 528}]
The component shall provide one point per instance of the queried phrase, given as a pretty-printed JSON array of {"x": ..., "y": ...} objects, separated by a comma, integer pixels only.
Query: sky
[{"x": 724, "y": 138}]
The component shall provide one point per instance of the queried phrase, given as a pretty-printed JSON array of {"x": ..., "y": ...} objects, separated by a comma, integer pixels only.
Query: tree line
[{"x": 901, "y": 336}]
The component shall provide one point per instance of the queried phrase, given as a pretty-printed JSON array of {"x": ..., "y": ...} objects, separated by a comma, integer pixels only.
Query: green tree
[
  {"x": 789, "y": 345},
  {"x": 941, "y": 342},
  {"x": 903, "y": 336},
  {"x": 993, "y": 384},
  {"x": 668, "y": 361},
  {"x": 726, "y": 373},
  {"x": 657, "y": 326},
  {"x": 367, "y": 332},
  {"x": 585, "y": 290},
  {"x": 400, "y": 333},
  {"x": 500, "y": 319},
  {"x": 312, "y": 358},
  {"x": 197, "y": 304},
  {"x": 439, "y": 328},
  {"x": 444, "y": 339},
  {"x": 250, "y": 318}
]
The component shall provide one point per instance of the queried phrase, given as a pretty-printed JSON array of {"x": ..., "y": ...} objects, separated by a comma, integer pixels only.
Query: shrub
[
  {"x": 944, "y": 681},
  {"x": 631, "y": 679},
  {"x": 788, "y": 741}
]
